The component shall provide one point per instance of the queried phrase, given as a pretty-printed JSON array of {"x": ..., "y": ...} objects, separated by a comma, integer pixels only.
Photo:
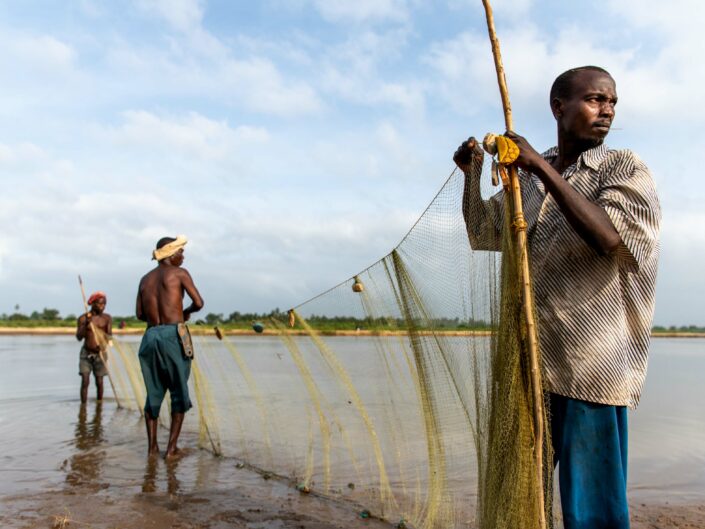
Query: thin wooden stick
[
  {"x": 519, "y": 225},
  {"x": 100, "y": 349}
]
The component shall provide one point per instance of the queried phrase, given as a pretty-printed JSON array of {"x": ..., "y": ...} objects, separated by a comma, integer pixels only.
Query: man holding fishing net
[
  {"x": 94, "y": 327},
  {"x": 166, "y": 350},
  {"x": 593, "y": 221}
]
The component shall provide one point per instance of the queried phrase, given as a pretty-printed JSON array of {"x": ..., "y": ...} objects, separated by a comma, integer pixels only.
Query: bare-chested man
[
  {"x": 90, "y": 360},
  {"x": 166, "y": 364}
]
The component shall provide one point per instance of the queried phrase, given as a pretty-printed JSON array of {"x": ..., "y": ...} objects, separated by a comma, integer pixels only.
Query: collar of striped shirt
[{"x": 592, "y": 158}]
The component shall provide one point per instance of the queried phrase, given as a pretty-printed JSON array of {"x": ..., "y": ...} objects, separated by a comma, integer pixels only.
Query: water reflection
[
  {"x": 172, "y": 482},
  {"x": 85, "y": 465},
  {"x": 149, "y": 482},
  {"x": 150, "y": 475}
]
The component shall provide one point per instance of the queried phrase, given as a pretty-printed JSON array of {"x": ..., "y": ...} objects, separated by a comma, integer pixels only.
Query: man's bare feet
[{"x": 173, "y": 453}]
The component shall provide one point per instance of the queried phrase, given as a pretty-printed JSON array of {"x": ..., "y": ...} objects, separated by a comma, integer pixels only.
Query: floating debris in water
[
  {"x": 304, "y": 489},
  {"x": 365, "y": 513},
  {"x": 239, "y": 465},
  {"x": 266, "y": 475},
  {"x": 61, "y": 521}
]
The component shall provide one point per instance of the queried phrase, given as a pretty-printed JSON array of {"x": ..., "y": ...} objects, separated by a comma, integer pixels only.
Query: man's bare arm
[
  {"x": 139, "y": 311},
  {"x": 82, "y": 327},
  {"x": 481, "y": 216},
  {"x": 196, "y": 299},
  {"x": 588, "y": 219}
]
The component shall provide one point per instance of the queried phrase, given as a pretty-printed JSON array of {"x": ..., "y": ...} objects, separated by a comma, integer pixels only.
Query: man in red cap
[{"x": 95, "y": 328}]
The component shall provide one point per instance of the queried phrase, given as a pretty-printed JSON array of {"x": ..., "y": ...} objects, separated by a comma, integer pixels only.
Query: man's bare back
[
  {"x": 160, "y": 303},
  {"x": 161, "y": 291}
]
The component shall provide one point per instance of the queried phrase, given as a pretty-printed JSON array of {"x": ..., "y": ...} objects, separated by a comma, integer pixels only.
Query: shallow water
[{"x": 49, "y": 440}]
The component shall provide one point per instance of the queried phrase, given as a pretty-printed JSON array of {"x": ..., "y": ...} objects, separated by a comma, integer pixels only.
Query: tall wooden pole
[
  {"x": 100, "y": 349},
  {"x": 519, "y": 226}
]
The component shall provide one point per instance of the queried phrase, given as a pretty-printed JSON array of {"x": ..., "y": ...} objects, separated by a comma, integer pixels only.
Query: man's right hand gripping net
[{"x": 402, "y": 391}]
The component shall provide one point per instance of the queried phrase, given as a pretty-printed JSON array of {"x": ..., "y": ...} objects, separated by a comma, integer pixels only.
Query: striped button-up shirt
[{"x": 594, "y": 311}]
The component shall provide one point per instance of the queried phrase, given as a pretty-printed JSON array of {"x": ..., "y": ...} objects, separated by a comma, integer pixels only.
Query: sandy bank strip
[{"x": 202, "y": 331}]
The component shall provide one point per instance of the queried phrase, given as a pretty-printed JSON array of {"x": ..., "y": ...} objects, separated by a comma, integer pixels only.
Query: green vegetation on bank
[
  {"x": 683, "y": 329},
  {"x": 243, "y": 321}
]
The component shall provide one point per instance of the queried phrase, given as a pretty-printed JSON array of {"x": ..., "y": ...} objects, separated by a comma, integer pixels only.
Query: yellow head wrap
[{"x": 170, "y": 249}]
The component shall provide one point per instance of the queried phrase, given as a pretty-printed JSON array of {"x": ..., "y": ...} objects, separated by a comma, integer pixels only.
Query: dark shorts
[
  {"x": 89, "y": 362},
  {"x": 164, "y": 367}
]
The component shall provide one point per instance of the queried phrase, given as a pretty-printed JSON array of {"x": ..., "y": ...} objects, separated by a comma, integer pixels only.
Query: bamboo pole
[
  {"x": 519, "y": 225},
  {"x": 100, "y": 349}
]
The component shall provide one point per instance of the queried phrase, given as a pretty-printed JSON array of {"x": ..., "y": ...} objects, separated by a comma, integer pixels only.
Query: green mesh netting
[{"x": 420, "y": 411}]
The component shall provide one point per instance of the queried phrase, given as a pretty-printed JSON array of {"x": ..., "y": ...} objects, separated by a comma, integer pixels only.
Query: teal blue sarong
[
  {"x": 164, "y": 367},
  {"x": 590, "y": 448}
]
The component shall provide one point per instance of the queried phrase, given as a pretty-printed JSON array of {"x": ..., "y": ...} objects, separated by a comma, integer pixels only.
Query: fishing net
[{"x": 403, "y": 390}]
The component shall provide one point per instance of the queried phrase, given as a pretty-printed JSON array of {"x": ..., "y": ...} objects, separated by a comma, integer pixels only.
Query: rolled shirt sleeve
[
  {"x": 628, "y": 196},
  {"x": 483, "y": 218}
]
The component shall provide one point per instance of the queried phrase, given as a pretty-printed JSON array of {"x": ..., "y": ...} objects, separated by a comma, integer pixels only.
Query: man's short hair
[
  {"x": 164, "y": 241},
  {"x": 562, "y": 87}
]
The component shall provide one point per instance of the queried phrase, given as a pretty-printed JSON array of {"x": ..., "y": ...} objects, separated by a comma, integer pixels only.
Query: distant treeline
[
  {"x": 683, "y": 328},
  {"x": 344, "y": 323},
  {"x": 244, "y": 320}
]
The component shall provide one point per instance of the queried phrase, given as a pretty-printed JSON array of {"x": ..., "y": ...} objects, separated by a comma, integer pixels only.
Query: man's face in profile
[{"x": 178, "y": 258}]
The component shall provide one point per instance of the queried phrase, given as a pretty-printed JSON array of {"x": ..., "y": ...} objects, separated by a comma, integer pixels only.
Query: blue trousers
[{"x": 590, "y": 445}]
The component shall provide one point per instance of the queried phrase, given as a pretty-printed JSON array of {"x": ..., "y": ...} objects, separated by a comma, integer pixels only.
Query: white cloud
[
  {"x": 355, "y": 72},
  {"x": 650, "y": 87},
  {"x": 368, "y": 90},
  {"x": 674, "y": 17},
  {"x": 680, "y": 282},
  {"x": 399, "y": 152},
  {"x": 465, "y": 72},
  {"x": 296, "y": 151},
  {"x": 253, "y": 83},
  {"x": 363, "y": 10},
  {"x": 502, "y": 9},
  {"x": 191, "y": 135},
  {"x": 21, "y": 156},
  {"x": 183, "y": 15},
  {"x": 259, "y": 84},
  {"x": 3, "y": 252},
  {"x": 186, "y": 17},
  {"x": 42, "y": 51}
]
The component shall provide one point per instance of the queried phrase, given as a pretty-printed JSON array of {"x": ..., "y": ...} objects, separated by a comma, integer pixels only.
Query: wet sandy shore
[
  {"x": 89, "y": 470},
  {"x": 246, "y": 505},
  {"x": 267, "y": 506},
  {"x": 94, "y": 474}
]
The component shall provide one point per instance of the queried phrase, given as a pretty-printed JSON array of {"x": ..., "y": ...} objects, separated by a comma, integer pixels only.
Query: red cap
[{"x": 96, "y": 296}]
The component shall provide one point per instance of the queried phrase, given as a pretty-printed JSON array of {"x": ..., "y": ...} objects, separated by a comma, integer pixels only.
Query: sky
[{"x": 296, "y": 141}]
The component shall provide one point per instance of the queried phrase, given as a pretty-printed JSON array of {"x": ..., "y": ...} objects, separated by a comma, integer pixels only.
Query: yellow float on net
[{"x": 357, "y": 285}]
